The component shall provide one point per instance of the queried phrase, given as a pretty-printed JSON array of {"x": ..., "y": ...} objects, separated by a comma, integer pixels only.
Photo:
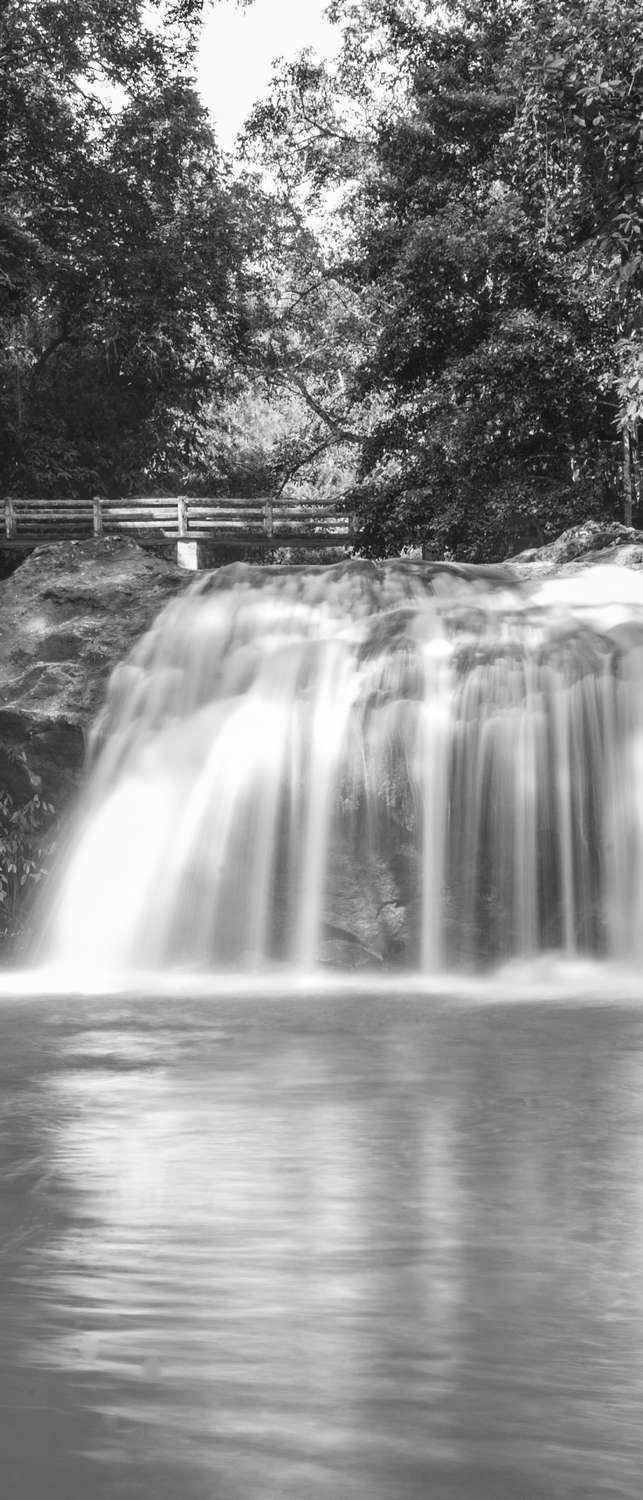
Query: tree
[
  {"x": 122, "y": 283},
  {"x": 583, "y": 112},
  {"x": 477, "y": 225},
  {"x": 492, "y": 351}
]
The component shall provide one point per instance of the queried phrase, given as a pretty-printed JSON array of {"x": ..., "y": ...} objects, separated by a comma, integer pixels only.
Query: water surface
[{"x": 297, "y": 1248}]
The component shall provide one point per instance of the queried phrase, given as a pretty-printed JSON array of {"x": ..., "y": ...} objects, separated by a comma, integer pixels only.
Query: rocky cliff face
[
  {"x": 67, "y": 616},
  {"x": 74, "y": 610}
]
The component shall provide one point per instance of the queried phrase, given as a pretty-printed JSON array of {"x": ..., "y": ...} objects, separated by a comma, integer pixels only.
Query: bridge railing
[{"x": 227, "y": 522}]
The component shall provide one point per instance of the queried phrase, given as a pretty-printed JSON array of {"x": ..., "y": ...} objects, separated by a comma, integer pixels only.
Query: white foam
[{"x": 547, "y": 978}]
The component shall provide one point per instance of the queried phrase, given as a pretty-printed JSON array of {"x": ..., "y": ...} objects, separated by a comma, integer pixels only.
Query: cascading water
[{"x": 412, "y": 764}]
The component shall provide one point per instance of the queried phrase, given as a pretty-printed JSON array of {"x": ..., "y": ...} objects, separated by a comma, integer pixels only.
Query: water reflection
[{"x": 363, "y": 1249}]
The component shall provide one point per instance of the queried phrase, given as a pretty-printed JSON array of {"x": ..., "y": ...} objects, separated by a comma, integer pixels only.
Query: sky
[{"x": 238, "y": 47}]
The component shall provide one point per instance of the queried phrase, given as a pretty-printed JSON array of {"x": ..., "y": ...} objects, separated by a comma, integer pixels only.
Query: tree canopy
[
  {"x": 121, "y": 245},
  {"x": 484, "y": 163},
  {"x": 421, "y": 285}
]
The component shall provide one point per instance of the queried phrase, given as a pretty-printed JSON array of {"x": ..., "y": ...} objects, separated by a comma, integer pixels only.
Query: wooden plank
[
  {"x": 209, "y": 501},
  {"x": 148, "y": 510},
  {"x": 150, "y": 518},
  {"x": 225, "y": 510},
  {"x": 29, "y": 503},
  {"x": 315, "y": 517},
  {"x": 218, "y": 525},
  {"x": 145, "y": 523},
  {"x": 45, "y": 509},
  {"x": 29, "y": 517},
  {"x": 130, "y": 528},
  {"x": 308, "y": 510},
  {"x": 218, "y": 518},
  {"x": 238, "y": 506}
]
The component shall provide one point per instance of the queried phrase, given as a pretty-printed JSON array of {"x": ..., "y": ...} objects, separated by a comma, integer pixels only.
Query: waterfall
[{"x": 429, "y": 766}]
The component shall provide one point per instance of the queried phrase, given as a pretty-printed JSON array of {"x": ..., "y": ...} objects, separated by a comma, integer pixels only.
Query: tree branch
[
  {"x": 340, "y": 433},
  {"x": 308, "y": 458}
]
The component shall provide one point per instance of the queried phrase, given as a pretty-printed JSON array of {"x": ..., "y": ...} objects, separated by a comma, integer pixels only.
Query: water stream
[
  {"x": 417, "y": 766},
  {"x": 376, "y": 1248},
  {"x": 321, "y": 1121}
]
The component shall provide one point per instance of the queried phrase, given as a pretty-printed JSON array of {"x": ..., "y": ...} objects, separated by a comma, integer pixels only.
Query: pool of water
[{"x": 360, "y": 1247}]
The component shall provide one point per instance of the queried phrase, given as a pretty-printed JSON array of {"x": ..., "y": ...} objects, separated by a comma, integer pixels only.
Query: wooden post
[
  {"x": 98, "y": 515},
  {"x": 9, "y": 517},
  {"x": 268, "y": 520},
  {"x": 187, "y": 552}
]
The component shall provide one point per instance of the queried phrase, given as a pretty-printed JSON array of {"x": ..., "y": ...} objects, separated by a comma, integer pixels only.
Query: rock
[
  {"x": 590, "y": 542},
  {"x": 72, "y": 612},
  {"x": 67, "y": 616}
]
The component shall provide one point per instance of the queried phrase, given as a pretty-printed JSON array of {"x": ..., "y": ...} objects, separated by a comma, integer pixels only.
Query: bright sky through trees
[{"x": 238, "y": 48}]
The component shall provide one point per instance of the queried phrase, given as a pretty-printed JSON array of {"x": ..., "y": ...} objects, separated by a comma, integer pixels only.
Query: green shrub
[{"x": 27, "y": 841}]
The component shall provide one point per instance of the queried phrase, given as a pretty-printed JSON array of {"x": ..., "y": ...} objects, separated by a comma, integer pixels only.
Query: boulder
[
  {"x": 590, "y": 542},
  {"x": 67, "y": 616},
  {"x": 74, "y": 610}
]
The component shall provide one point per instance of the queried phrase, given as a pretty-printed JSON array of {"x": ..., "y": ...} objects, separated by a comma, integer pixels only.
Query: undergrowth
[{"x": 27, "y": 841}]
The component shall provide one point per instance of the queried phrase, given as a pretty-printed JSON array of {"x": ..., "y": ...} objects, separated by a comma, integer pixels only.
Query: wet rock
[
  {"x": 72, "y": 613},
  {"x": 67, "y": 616},
  {"x": 342, "y": 949},
  {"x": 591, "y": 542}
]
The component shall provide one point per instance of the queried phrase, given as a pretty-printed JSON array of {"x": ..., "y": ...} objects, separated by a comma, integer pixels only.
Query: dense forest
[{"x": 419, "y": 285}]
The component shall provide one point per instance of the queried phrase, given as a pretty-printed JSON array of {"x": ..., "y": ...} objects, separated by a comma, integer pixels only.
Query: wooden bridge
[{"x": 258, "y": 524}]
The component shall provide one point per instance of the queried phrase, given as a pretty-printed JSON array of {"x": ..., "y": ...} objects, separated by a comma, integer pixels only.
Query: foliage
[
  {"x": 263, "y": 440},
  {"x": 481, "y": 162},
  {"x": 26, "y": 846},
  {"x": 583, "y": 107},
  {"x": 424, "y": 290},
  {"x": 122, "y": 247}
]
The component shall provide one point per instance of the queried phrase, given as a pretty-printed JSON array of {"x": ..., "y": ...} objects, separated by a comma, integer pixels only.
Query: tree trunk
[
  {"x": 627, "y": 479},
  {"x": 636, "y": 469}
]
